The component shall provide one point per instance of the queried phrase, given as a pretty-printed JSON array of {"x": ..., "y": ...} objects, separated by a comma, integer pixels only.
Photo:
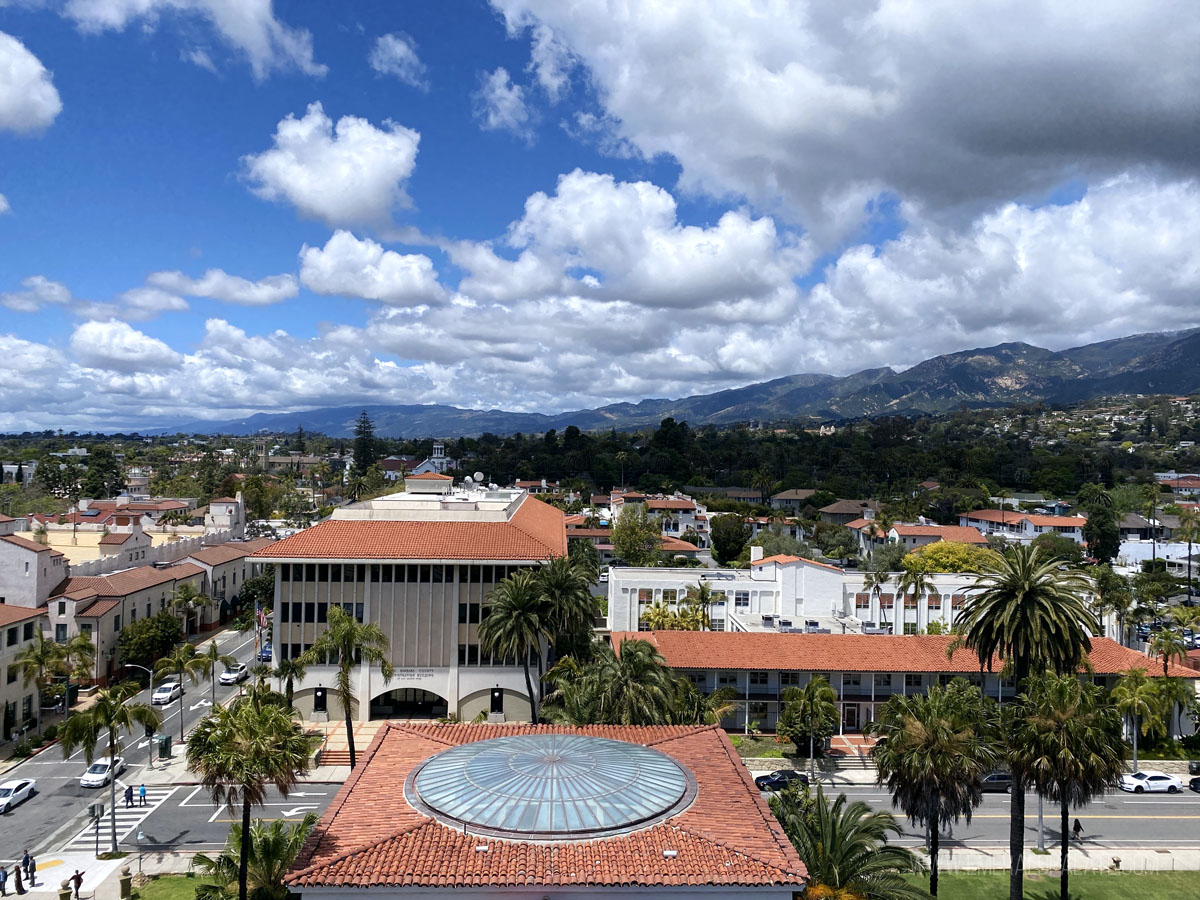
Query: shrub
[
  {"x": 51, "y": 733},
  {"x": 22, "y": 749}
]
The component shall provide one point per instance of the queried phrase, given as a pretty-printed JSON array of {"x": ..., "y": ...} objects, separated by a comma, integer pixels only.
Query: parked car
[
  {"x": 101, "y": 772},
  {"x": 1194, "y": 784},
  {"x": 778, "y": 780},
  {"x": 264, "y": 655},
  {"x": 167, "y": 692},
  {"x": 234, "y": 674},
  {"x": 997, "y": 782},
  {"x": 1194, "y": 767},
  {"x": 1151, "y": 781},
  {"x": 14, "y": 793}
]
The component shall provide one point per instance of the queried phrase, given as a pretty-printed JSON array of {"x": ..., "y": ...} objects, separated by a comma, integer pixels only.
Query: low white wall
[{"x": 170, "y": 552}]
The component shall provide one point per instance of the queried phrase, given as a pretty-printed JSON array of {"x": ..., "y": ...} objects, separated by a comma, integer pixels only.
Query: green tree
[
  {"x": 37, "y": 663},
  {"x": 845, "y": 848},
  {"x": 515, "y": 625},
  {"x": 79, "y": 656},
  {"x": 729, "y": 535},
  {"x": 809, "y": 714},
  {"x": 237, "y": 751},
  {"x": 187, "y": 599},
  {"x": 273, "y": 845},
  {"x": 1189, "y": 530},
  {"x": 934, "y": 750},
  {"x": 259, "y": 590},
  {"x": 1029, "y": 613},
  {"x": 289, "y": 671},
  {"x": 694, "y": 707},
  {"x": 211, "y": 659},
  {"x": 570, "y": 607},
  {"x": 347, "y": 641},
  {"x": 637, "y": 537},
  {"x": 1113, "y": 595},
  {"x": 109, "y": 715},
  {"x": 180, "y": 663},
  {"x": 144, "y": 641},
  {"x": 1139, "y": 699},
  {"x": 764, "y": 482},
  {"x": 366, "y": 450},
  {"x": 699, "y": 600},
  {"x": 632, "y": 686},
  {"x": 585, "y": 555},
  {"x": 1101, "y": 531},
  {"x": 1054, "y": 544},
  {"x": 1067, "y": 744}
]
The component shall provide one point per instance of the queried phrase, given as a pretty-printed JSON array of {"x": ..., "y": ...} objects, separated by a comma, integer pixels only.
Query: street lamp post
[
  {"x": 141, "y": 836},
  {"x": 150, "y": 754}
]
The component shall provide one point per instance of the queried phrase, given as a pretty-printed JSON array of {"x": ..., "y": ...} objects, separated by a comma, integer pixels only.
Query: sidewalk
[{"x": 1086, "y": 856}]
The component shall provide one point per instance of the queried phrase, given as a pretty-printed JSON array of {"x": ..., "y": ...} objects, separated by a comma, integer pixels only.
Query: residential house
[
  {"x": 1022, "y": 527},
  {"x": 793, "y": 500},
  {"x": 20, "y": 627},
  {"x": 226, "y": 567},
  {"x": 29, "y": 572},
  {"x": 842, "y": 512}
]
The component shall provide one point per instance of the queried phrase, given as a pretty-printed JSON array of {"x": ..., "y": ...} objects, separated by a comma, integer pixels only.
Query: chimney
[{"x": 756, "y": 553}]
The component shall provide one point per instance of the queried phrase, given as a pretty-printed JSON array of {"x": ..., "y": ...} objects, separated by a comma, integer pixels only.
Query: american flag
[{"x": 260, "y": 616}]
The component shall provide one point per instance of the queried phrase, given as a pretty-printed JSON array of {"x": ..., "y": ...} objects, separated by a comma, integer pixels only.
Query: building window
[
  {"x": 62, "y": 607},
  {"x": 741, "y": 600},
  {"x": 727, "y": 679},
  {"x": 910, "y": 627},
  {"x": 669, "y": 595},
  {"x": 957, "y": 601},
  {"x": 718, "y": 624},
  {"x": 789, "y": 679},
  {"x": 887, "y": 601},
  {"x": 116, "y": 624},
  {"x": 322, "y": 612},
  {"x": 645, "y": 595},
  {"x": 862, "y": 601},
  {"x": 935, "y": 601},
  {"x": 910, "y": 601},
  {"x": 27, "y": 632},
  {"x": 284, "y": 610},
  {"x": 758, "y": 679},
  {"x": 12, "y": 637},
  {"x": 912, "y": 681},
  {"x": 133, "y": 614},
  {"x": 462, "y": 620},
  {"x": 883, "y": 681},
  {"x": 86, "y": 631},
  {"x": 849, "y": 681},
  {"x": 13, "y": 672}
]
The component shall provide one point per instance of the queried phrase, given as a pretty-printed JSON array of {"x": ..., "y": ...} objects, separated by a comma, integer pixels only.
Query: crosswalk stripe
[{"x": 127, "y": 819}]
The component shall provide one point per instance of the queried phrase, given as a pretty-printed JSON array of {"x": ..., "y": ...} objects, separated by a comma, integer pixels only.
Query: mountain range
[{"x": 1155, "y": 363}]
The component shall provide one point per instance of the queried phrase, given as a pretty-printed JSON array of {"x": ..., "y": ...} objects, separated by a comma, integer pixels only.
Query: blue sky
[{"x": 521, "y": 205}]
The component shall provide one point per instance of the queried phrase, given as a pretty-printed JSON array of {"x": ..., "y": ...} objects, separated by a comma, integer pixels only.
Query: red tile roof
[
  {"x": 120, "y": 584},
  {"x": 4, "y": 518},
  {"x": 10, "y": 615},
  {"x": 957, "y": 534},
  {"x": 223, "y": 553},
  {"x": 1012, "y": 517},
  {"x": 371, "y": 837},
  {"x": 429, "y": 476},
  {"x": 117, "y": 537},
  {"x": 855, "y": 652},
  {"x": 784, "y": 560},
  {"x": 670, "y": 503},
  {"x": 534, "y": 532},
  {"x": 27, "y": 544}
]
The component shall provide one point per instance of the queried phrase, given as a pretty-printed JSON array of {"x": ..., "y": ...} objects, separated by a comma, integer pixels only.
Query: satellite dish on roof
[{"x": 478, "y": 476}]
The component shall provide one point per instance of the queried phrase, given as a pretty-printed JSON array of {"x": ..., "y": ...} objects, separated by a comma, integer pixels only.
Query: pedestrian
[
  {"x": 142, "y": 795},
  {"x": 4, "y": 881},
  {"x": 128, "y": 796},
  {"x": 25, "y": 861},
  {"x": 77, "y": 882},
  {"x": 32, "y": 871},
  {"x": 17, "y": 875},
  {"x": 1078, "y": 830}
]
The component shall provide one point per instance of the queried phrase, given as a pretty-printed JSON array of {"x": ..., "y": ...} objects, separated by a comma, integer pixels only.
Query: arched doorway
[{"x": 408, "y": 703}]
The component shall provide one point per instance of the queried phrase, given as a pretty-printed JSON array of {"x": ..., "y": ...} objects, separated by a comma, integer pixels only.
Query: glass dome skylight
[{"x": 550, "y": 787}]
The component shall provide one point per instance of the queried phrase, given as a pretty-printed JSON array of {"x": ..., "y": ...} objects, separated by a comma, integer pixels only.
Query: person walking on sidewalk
[
  {"x": 76, "y": 882},
  {"x": 142, "y": 795},
  {"x": 32, "y": 873},
  {"x": 1078, "y": 830},
  {"x": 25, "y": 861},
  {"x": 3, "y": 881},
  {"x": 128, "y": 796},
  {"x": 17, "y": 876}
]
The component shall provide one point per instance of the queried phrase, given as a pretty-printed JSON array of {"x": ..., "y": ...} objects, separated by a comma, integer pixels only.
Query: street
[
  {"x": 1117, "y": 820},
  {"x": 50, "y": 819}
]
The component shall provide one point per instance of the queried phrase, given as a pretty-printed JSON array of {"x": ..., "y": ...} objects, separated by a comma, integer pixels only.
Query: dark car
[
  {"x": 264, "y": 655},
  {"x": 1194, "y": 767},
  {"x": 997, "y": 782},
  {"x": 777, "y": 781},
  {"x": 1194, "y": 784}
]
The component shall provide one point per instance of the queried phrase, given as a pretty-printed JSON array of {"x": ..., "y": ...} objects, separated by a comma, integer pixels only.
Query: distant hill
[{"x": 1166, "y": 362}]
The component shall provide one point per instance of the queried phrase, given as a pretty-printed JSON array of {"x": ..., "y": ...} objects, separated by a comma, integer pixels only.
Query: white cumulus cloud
[
  {"x": 217, "y": 284},
  {"x": 119, "y": 347},
  {"x": 29, "y": 102},
  {"x": 396, "y": 54},
  {"x": 248, "y": 26},
  {"x": 500, "y": 105},
  {"x": 4, "y": 205},
  {"x": 351, "y": 174},
  {"x": 350, "y": 267},
  {"x": 39, "y": 292}
]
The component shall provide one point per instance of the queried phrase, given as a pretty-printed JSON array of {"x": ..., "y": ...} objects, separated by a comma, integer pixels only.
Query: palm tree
[
  {"x": 37, "y": 663},
  {"x": 916, "y": 582},
  {"x": 810, "y": 711},
  {"x": 79, "y": 655},
  {"x": 622, "y": 457},
  {"x": 699, "y": 599},
  {"x": 211, "y": 658},
  {"x": 1138, "y": 698},
  {"x": 632, "y": 685},
  {"x": 185, "y": 598},
  {"x": 181, "y": 662},
  {"x": 274, "y": 846},
  {"x": 845, "y": 848},
  {"x": 570, "y": 608},
  {"x": 289, "y": 671},
  {"x": 1068, "y": 745},
  {"x": 935, "y": 750},
  {"x": 347, "y": 640},
  {"x": 173, "y": 517},
  {"x": 1168, "y": 644},
  {"x": 516, "y": 624},
  {"x": 112, "y": 713},
  {"x": 1189, "y": 530},
  {"x": 660, "y": 617},
  {"x": 1113, "y": 594},
  {"x": 763, "y": 481},
  {"x": 1029, "y": 613},
  {"x": 694, "y": 707},
  {"x": 1151, "y": 493},
  {"x": 239, "y": 750}
]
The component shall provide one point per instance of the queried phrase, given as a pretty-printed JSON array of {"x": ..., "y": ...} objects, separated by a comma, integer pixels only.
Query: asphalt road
[
  {"x": 1117, "y": 820},
  {"x": 60, "y": 807}
]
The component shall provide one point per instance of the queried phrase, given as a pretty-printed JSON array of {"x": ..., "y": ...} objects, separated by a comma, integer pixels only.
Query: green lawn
[
  {"x": 168, "y": 887},
  {"x": 1084, "y": 885},
  {"x": 757, "y": 746}
]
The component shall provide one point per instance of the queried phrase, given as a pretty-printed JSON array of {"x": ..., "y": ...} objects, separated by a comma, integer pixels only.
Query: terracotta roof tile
[
  {"x": 957, "y": 534},
  {"x": 120, "y": 584},
  {"x": 670, "y": 503},
  {"x": 785, "y": 560},
  {"x": 10, "y": 615},
  {"x": 855, "y": 652},
  {"x": 1012, "y": 517},
  {"x": 116, "y": 538},
  {"x": 429, "y": 476},
  {"x": 534, "y": 532},
  {"x": 26, "y": 544},
  {"x": 727, "y": 837},
  {"x": 223, "y": 553}
]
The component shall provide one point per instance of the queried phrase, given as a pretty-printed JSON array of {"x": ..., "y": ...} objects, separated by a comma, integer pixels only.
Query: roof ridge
[
  {"x": 692, "y": 730},
  {"x": 513, "y": 521}
]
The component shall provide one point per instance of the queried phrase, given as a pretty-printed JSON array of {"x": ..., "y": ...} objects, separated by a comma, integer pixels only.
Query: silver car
[
  {"x": 14, "y": 793},
  {"x": 101, "y": 772}
]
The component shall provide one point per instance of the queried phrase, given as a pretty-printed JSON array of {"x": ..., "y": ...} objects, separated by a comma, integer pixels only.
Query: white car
[
  {"x": 101, "y": 772},
  {"x": 1151, "y": 781},
  {"x": 167, "y": 692},
  {"x": 13, "y": 793},
  {"x": 234, "y": 674}
]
